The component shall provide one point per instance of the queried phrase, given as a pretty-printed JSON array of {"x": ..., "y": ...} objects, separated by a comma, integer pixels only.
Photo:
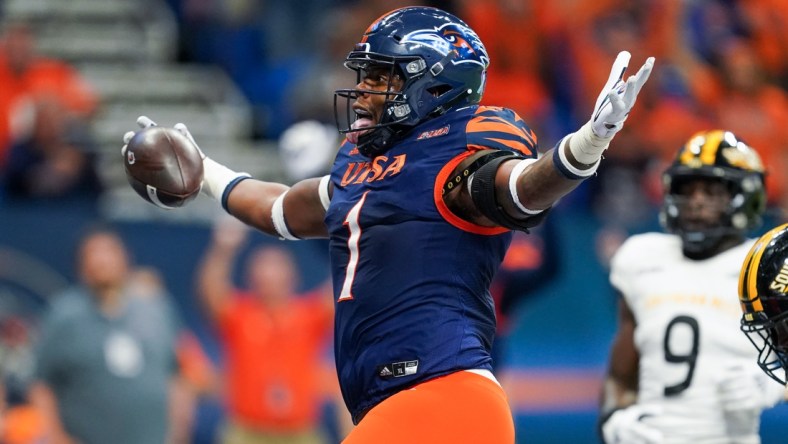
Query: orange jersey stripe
[
  {"x": 513, "y": 144},
  {"x": 493, "y": 130}
]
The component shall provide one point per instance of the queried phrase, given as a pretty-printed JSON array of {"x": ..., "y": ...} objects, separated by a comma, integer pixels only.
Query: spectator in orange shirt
[
  {"x": 273, "y": 342},
  {"x": 26, "y": 76}
]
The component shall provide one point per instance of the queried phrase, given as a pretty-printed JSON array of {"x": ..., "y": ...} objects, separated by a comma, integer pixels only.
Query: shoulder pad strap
[{"x": 458, "y": 179}]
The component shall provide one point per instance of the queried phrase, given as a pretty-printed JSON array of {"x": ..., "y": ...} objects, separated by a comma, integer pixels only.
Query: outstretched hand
[
  {"x": 145, "y": 122},
  {"x": 181, "y": 128},
  {"x": 612, "y": 109},
  {"x": 618, "y": 96}
]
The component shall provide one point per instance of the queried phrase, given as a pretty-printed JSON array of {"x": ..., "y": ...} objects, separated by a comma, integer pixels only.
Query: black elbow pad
[{"x": 483, "y": 195}]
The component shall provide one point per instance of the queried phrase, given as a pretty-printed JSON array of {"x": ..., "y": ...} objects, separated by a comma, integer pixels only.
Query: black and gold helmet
[
  {"x": 763, "y": 293},
  {"x": 716, "y": 155}
]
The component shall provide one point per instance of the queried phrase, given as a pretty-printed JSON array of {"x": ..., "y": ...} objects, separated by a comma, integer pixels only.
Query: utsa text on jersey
[{"x": 377, "y": 169}]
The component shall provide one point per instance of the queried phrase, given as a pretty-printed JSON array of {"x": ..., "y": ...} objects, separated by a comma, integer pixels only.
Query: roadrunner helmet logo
[{"x": 452, "y": 36}]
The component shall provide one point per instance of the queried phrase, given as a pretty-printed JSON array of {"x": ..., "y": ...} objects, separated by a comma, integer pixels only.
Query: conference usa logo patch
[
  {"x": 452, "y": 36},
  {"x": 434, "y": 133}
]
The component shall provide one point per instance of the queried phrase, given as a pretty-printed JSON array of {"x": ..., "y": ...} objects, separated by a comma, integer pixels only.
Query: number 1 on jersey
[{"x": 351, "y": 220}]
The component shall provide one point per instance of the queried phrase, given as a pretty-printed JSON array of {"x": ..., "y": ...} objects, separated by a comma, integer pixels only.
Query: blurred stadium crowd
[{"x": 720, "y": 64}]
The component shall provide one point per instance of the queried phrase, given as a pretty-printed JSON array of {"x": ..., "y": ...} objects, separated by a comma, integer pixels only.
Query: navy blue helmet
[{"x": 440, "y": 59}]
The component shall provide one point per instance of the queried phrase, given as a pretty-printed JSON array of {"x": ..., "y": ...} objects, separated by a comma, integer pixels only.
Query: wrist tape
[
  {"x": 218, "y": 180},
  {"x": 587, "y": 147},
  {"x": 583, "y": 144}
]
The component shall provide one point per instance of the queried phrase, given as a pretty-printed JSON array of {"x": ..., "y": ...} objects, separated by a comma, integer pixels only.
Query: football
[{"x": 164, "y": 167}]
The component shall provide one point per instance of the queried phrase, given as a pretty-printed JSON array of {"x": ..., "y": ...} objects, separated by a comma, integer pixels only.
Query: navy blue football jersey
[{"x": 411, "y": 279}]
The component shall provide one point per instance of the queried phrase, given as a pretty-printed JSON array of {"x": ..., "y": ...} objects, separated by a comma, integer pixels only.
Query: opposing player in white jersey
[{"x": 680, "y": 369}]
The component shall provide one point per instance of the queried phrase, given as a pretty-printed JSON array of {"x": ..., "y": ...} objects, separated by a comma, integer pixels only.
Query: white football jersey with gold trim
[{"x": 687, "y": 332}]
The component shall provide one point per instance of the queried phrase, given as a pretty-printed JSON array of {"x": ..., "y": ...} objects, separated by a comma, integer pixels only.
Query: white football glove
[
  {"x": 181, "y": 128},
  {"x": 618, "y": 96},
  {"x": 143, "y": 122},
  {"x": 611, "y": 111},
  {"x": 745, "y": 391},
  {"x": 627, "y": 426},
  {"x": 216, "y": 177}
]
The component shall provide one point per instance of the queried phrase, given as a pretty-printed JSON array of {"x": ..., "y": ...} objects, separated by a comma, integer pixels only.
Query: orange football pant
[{"x": 462, "y": 407}]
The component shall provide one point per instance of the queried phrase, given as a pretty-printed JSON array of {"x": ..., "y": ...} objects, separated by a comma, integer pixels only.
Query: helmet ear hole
[{"x": 439, "y": 90}]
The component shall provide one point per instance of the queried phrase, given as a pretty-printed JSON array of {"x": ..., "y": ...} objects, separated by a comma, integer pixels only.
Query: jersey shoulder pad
[
  {"x": 643, "y": 251},
  {"x": 500, "y": 129}
]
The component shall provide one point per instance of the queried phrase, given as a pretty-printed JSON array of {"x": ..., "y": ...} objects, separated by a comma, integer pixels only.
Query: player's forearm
[
  {"x": 620, "y": 387},
  {"x": 541, "y": 184},
  {"x": 574, "y": 159},
  {"x": 615, "y": 397}
]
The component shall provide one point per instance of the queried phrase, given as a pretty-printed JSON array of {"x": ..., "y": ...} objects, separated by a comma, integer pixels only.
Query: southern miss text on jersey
[
  {"x": 687, "y": 315},
  {"x": 411, "y": 279}
]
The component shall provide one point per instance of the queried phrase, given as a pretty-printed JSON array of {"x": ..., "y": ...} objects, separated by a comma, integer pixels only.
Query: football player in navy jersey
[{"x": 418, "y": 209}]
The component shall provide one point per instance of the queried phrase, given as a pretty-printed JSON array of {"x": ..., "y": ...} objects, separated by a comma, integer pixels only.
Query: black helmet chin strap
[
  {"x": 450, "y": 104},
  {"x": 376, "y": 142}
]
